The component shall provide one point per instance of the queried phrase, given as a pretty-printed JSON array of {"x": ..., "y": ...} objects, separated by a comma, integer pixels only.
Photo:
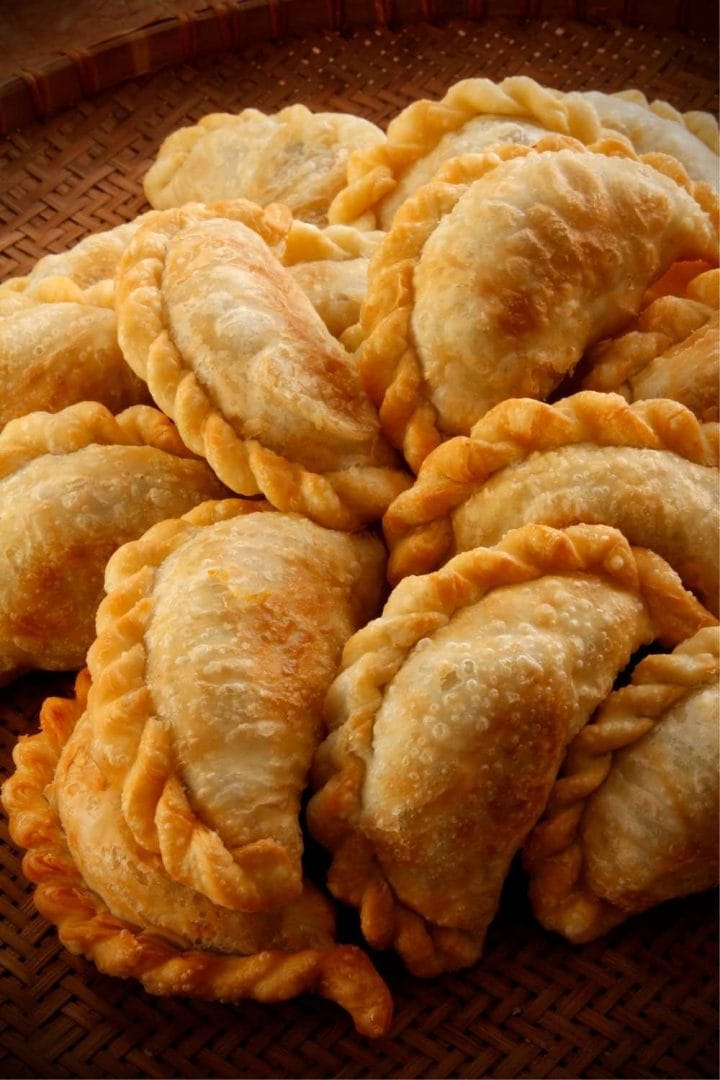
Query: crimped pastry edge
[
  {"x": 417, "y": 607},
  {"x": 374, "y": 173},
  {"x": 341, "y": 973},
  {"x": 418, "y": 524},
  {"x": 86, "y": 423}
]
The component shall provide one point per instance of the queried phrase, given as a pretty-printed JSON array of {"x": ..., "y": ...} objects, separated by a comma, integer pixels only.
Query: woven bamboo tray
[{"x": 640, "y": 1002}]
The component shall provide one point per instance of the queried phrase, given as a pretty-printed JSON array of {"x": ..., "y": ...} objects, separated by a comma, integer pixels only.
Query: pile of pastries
[{"x": 370, "y": 482}]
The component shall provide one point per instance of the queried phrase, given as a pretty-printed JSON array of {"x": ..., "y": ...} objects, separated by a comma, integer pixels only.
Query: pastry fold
[
  {"x": 218, "y": 639},
  {"x": 633, "y": 819},
  {"x": 495, "y": 278},
  {"x": 473, "y": 115},
  {"x": 691, "y": 137},
  {"x": 330, "y": 265},
  {"x": 74, "y": 486},
  {"x": 294, "y": 157},
  {"x": 234, "y": 352},
  {"x": 450, "y": 718},
  {"x": 172, "y": 939},
  {"x": 649, "y": 469},
  {"x": 671, "y": 350},
  {"x": 58, "y": 332}
]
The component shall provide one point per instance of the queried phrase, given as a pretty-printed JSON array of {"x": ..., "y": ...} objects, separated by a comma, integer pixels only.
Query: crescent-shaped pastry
[
  {"x": 75, "y": 485},
  {"x": 473, "y": 115},
  {"x": 692, "y": 139},
  {"x": 633, "y": 819},
  {"x": 671, "y": 350},
  {"x": 294, "y": 157},
  {"x": 649, "y": 470},
  {"x": 330, "y": 266},
  {"x": 495, "y": 279},
  {"x": 58, "y": 331},
  {"x": 234, "y": 352},
  {"x": 171, "y": 938},
  {"x": 450, "y": 718},
  {"x": 218, "y": 639}
]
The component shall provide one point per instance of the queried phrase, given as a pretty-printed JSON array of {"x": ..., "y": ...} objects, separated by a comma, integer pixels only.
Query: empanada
[
  {"x": 473, "y": 115},
  {"x": 58, "y": 331},
  {"x": 171, "y": 938},
  {"x": 450, "y": 718},
  {"x": 231, "y": 624},
  {"x": 691, "y": 138},
  {"x": 671, "y": 350},
  {"x": 633, "y": 819},
  {"x": 495, "y": 279},
  {"x": 330, "y": 266},
  {"x": 649, "y": 469},
  {"x": 75, "y": 485},
  {"x": 294, "y": 157},
  {"x": 234, "y": 352}
]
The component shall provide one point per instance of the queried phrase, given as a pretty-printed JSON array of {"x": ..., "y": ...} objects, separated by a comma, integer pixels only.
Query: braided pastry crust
[
  {"x": 223, "y": 956},
  {"x": 496, "y": 277},
  {"x": 450, "y": 717},
  {"x": 632, "y": 821},
  {"x": 294, "y": 157},
  {"x": 648, "y": 469},
  {"x": 58, "y": 331},
  {"x": 671, "y": 350},
  {"x": 233, "y": 351},
  {"x": 75, "y": 485},
  {"x": 474, "y": 114}
]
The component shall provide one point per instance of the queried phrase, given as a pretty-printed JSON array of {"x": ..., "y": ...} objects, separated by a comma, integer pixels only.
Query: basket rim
[{"x": 78, "y": 74}]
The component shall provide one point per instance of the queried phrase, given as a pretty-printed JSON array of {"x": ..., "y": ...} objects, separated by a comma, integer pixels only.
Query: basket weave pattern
[{"x": 641, "y": 1002}]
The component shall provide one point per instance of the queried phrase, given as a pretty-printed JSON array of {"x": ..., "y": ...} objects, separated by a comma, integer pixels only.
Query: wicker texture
[{"x": 640, "y": 1002}]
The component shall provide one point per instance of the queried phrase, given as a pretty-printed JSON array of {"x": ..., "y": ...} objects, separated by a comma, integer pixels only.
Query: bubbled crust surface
[{"x": 568, "y": 232}]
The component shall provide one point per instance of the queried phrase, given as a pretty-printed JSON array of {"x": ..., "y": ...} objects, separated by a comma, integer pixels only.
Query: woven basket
[{"x": 640, "y": 1002}]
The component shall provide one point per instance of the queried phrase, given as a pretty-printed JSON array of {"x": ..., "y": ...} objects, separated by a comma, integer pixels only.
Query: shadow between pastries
[
  {"x": 234, "y": 352},
  {"x": 451, "y": 715},
  {"x": 649, "y": 469},
  {"x": 633, "y": 818},
  {"x": 74, "y": 486},
  {"x": 160, "y": 808}
]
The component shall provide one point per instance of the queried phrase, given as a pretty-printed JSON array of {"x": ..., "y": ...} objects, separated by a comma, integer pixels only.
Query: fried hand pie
[
  {"x": 451, "y": 716},
  {"x": 633, "y": 819}
]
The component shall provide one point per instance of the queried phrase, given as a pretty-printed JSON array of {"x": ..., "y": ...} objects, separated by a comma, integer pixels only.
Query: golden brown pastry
[
  {"x": 232, "y": 622},
  {"x": 649, "y": 469},
  {"x": 294, "y": 157},
  {"x": 633, "y": 818},
  {"x": 234, "y": 352},
  {"x": 671, "y": 350},
  {"x": 174, "y": 940},
  {"x": 75, "y": 485},
  {"x": 330, "y": 266},
  {"x": 495, "y": 279},
  {"x": 473, "y": 115},
  {"x": 450, "y": 718},
  {"x": 691, "y": 138},
  {"x": 58, "y": 331}
]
